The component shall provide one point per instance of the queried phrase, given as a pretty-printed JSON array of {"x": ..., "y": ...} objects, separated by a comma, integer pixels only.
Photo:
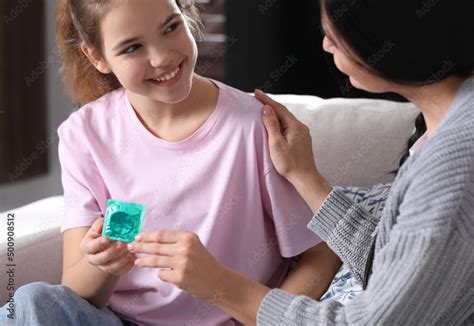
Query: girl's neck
[
  {"x": 159, "y": 111},
  {"x": 174, "y": 122},
  {"x": 433, "y": 100}
]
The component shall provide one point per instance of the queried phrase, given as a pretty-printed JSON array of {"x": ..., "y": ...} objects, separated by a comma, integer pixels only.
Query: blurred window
[{"x": 24, "y": 142}]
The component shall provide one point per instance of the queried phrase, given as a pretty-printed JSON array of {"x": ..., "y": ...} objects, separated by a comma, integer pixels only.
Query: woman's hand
[
  {"x": 289, "y": 140},
  {"x": 109, "y": 256},
  {"x": 183, "y": 259},
  {"x": 291, "y": 151}
]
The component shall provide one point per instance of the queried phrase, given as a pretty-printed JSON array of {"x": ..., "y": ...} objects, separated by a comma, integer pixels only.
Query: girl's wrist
[{"x": 238, "y": 296}]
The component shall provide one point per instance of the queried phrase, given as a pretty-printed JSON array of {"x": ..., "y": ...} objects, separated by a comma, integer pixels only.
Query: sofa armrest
[{"x": 33, "y": 244}]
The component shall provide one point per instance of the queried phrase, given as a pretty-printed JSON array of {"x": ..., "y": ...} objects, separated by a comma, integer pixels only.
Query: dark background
[{"x": 279, "y": 49}]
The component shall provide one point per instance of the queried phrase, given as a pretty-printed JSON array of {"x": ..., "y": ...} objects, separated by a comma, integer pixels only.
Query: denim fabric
[{"x": 39, "y": 303}]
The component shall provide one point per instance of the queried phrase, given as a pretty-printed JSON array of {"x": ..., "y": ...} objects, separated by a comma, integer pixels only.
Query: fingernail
[
  {"x": 130, "y": 247},
  {"x": 267, "y": 110},
  {"x": 138, "y": 238},
  {"x": 137, "y": 261},
  {"x": 258, "y": 91}
]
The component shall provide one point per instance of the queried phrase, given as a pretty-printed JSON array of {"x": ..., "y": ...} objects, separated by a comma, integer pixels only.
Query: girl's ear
[{"x": 97, "y": 61}]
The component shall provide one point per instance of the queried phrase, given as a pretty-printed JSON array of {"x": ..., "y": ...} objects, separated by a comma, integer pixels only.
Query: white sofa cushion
[
  {"x": 37, "y": 245},
  {"x": 356, "y": 142}
]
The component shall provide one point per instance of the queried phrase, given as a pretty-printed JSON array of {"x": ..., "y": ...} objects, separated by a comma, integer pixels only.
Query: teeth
[{"x": 169, "y": 76}]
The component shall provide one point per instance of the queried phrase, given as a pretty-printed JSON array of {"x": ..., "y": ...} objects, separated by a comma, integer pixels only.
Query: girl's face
[
  {"x": 360, "y": 76},
  {"x": 149, "y": 47}
]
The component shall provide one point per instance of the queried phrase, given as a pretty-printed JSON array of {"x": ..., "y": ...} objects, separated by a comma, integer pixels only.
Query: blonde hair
[{"x": 77, "y": 21}]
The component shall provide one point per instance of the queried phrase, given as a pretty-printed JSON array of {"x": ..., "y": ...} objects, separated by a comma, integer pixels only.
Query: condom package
[{"x": 123, "y": 221}]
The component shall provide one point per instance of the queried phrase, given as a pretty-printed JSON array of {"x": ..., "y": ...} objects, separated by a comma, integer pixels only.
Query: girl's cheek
[{"x": 130, "y": 69}]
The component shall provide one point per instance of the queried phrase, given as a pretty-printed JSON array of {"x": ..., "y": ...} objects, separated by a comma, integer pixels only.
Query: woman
[{"x": 416, "y": 263}]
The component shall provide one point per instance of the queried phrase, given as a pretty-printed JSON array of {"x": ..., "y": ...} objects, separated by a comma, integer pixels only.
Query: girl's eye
[
  {"x": 132, "y": 49},
  {"x": 172, "y": 28}
]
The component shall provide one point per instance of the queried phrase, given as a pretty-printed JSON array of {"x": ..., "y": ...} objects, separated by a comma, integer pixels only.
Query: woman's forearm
[
  {"x": 312, "y": 187},
  {"x": 313, "y": 273}
]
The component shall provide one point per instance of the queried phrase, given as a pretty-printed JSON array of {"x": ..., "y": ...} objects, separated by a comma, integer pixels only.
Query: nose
[
  {"x": 160, "y": 57},
  {"x": 327, "y": 44}
]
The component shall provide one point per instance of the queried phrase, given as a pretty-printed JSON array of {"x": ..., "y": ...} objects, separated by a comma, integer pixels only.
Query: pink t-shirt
[{"x": 219, "y": 183}]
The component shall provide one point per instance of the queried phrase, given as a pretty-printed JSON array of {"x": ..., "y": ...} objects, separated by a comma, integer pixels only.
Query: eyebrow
[{"x": 134, "y": 39}]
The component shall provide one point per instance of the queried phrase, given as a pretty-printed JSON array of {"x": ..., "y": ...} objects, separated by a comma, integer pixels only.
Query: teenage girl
[{"x": 192, "y": 150}]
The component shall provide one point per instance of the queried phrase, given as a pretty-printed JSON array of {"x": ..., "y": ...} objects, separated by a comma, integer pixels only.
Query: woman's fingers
[
  {"x": 272, "y": 125},
  {"x": 282, "y": 113}
]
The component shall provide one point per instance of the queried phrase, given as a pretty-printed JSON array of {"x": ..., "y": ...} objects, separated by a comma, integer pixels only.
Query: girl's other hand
[
  {"x": 289, "y": 141},
  {"x": 183, "y": 260},
  {"x": 109, "y": 256}
]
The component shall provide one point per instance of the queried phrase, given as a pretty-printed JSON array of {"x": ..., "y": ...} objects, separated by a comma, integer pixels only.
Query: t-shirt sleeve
[
  {"x": 290, "y": 215},
  {"x": 84, "y": 192}
]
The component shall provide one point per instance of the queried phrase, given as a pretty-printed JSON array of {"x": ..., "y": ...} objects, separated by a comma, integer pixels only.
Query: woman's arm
[
  {"x": 291, "y": 151},
  {"x": 403, "y": 289}
]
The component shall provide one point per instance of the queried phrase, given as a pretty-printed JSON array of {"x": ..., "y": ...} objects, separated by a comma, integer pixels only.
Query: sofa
[{"x": 357, "y": 142}]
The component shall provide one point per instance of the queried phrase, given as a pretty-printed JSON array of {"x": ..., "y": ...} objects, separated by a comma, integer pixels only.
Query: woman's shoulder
[
  {"x": 453, "y": 141},
  {"x": 440, "y": 173},
  {"x": 93, "y": 115}
]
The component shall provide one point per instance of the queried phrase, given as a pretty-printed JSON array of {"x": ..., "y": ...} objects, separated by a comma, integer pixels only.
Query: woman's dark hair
[
  {"x": 420, "y": 126},
  {"x": 414, "y": 42}
]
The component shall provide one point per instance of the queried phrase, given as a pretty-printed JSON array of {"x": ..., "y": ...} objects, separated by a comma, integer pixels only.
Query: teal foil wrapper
[{"x": 123, "y": 221}]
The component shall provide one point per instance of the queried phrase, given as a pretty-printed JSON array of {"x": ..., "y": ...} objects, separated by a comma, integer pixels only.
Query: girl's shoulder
[
  {"x": 94, "y": 114},
  {"x": 239, "y": 101}
]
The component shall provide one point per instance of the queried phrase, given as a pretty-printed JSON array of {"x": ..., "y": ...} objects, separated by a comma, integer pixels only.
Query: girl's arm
[
  {"x": 313, "y": 273},
  {"x": 89, "y": 282}
]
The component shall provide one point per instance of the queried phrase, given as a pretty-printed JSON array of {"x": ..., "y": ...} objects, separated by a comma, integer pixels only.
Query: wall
[{"x": 59, "y": 107}]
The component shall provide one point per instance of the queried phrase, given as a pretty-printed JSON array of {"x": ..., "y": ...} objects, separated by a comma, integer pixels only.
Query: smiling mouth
[{"x": 168, "y": 76}]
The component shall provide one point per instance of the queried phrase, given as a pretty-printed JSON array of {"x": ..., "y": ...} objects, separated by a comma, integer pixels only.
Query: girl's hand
[
  {"x": 109, "y": 256},
  {"x": 289, "y": 141},
  {"x": 184, "y": 260}
]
